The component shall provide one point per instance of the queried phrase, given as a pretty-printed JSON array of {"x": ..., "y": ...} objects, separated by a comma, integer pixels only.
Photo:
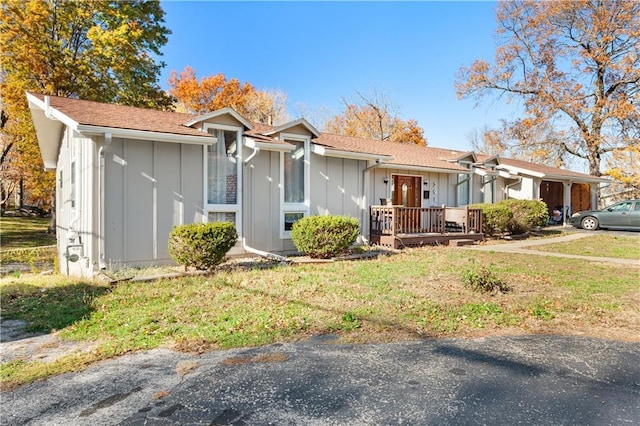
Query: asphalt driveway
[{"x": 545, "y": 380}]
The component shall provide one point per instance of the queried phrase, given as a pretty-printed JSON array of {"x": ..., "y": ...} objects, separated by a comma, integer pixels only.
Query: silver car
[{"x": 622, "y": 215}]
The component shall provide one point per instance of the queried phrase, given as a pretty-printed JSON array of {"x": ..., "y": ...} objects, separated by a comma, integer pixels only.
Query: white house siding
[
  {"x": 522, "y": 189},
  {"x": 76, "y": 218},
  {"x": 150, "y": 187},
  {"x": 336, "y": 186},
  {"x": 261, "y": 202}
]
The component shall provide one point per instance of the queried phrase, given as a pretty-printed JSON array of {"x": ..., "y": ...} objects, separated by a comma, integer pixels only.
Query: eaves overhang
[
  {"x": 146, "y": 135},
  {"x": 424, "y": 168},
  {"x": 330, "y": 152},
  {"x": 268, "y": 146}
]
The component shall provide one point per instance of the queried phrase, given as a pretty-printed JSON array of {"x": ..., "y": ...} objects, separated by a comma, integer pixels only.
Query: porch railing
[{"x": 394, "y": 220}]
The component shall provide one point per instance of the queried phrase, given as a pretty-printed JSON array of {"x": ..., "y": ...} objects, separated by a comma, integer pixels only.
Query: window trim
[
  {"x": 303, "y": 207},
  {"x": 223, "y": 208}
]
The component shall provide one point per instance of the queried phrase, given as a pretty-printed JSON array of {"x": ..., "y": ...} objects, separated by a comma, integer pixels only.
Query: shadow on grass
[{"x": 49, "y": 309}]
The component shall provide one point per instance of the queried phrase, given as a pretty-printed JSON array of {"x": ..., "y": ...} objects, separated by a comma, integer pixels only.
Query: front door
[{"x": 406, "y": 191}]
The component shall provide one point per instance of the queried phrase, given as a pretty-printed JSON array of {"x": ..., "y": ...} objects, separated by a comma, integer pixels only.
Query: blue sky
[{"x": 321, "y": 52}]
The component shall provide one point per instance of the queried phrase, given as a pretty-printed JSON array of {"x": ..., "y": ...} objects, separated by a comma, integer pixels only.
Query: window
[
  {"x": 295, "y": 183},
  {"x": 290, "y": 219},
  {"x": 294, "y": 175},
  {"x": 222, "y": 171},
  {"x": 463, "y": 189},
  {"x": 222, "y": 168},
  {"x": 72, "y": 193},
  {"x": 487, "y": 189}
]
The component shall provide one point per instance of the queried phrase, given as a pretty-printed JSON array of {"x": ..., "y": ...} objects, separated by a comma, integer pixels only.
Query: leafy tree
[
  {"x": 216, "y": 91},
  {"x": 536, "y": 144},
  {"x": 375, "y": 118},
  {"x": 98, "y": 50},
  {"x": 574, "y": 64}
]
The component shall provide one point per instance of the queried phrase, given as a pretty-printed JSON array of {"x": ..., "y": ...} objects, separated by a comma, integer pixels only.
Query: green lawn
[
  {"x": 24, "y": 232},
  {"x": 411, "y": 295},
  {"x": 25, "y": 240},
  {"x": 599, "y": 245}
]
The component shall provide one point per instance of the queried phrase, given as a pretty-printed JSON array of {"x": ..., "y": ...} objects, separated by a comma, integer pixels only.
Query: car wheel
[{"x": 589, "y": 223}]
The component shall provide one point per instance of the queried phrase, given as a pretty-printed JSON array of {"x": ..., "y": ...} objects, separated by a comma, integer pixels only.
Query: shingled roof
[{"x": 99, "y": 114}]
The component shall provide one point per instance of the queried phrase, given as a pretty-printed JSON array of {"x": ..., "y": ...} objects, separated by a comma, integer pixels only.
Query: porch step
[{"x": 461, "y": 242}]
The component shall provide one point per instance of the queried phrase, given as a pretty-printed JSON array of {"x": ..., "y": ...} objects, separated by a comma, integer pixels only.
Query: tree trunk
[{"x": 52, "y": 223}]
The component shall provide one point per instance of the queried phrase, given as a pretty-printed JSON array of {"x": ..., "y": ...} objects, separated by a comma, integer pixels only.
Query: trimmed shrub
[
  {"x": 512, "y": 216},
  {"x": 202, "y": 245},
  {"x": 527, "y": 214},
  {"x": 322, "y": 237},
  {"x": 496, "y": 218}
]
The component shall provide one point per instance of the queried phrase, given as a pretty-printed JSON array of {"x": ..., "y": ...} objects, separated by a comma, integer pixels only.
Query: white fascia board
[
  {"x": 146, "y": 135},
  {"x": 51, "y": 113},
  {"x": 505, "y": 174},
  {"x": 483, "y": 172},
  {"x": 328, "y": 152},
  {"x": 521, "y": 171},
  {"x": 424, "y": 169},
  {"x": 578, "y": 179},
  {"x": 217, "y": 113},
  {"x": 268, "y": 146}
]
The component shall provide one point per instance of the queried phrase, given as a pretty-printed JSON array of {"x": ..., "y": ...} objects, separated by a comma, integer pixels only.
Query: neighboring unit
[{"x": 126, "y": 176}]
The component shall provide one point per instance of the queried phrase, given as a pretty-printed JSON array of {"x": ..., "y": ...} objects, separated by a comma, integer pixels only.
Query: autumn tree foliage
[
  {"x": 574, "y": 65},
  {"x": 98, "y": 50},
  {"x": 214, "y": 92},
  {"x": 538, "y": 143},
  {"x": 374, "y": 117}
]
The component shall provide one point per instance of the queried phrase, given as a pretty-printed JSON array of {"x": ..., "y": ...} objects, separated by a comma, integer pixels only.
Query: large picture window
[
  {"x": 295, "y": 183},
  {"x": 222, "y": 168},
  {"x": 222, "y": 164},
  {"x": 294, "y": 174}
]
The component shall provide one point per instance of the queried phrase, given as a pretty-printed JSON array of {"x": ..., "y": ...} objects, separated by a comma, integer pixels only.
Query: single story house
[{"x": 126, "y": 176}]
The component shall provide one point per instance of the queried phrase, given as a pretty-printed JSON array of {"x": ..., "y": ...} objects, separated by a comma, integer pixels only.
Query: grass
[
  {"x": 24, "y": 232},
  {"x": 415, "y": 294},
  {"x": 598, "y": 245},
  {"x": 25, "y": 240}
]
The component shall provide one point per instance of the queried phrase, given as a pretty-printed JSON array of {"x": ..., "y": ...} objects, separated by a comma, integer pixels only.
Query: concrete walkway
[{"x": 520, "y": 247}]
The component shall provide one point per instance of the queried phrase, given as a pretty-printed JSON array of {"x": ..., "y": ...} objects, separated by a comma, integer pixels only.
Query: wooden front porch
[{"x": 398, "y": 226}]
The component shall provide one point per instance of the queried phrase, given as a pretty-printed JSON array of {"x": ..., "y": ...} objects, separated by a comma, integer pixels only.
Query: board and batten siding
[
  {"x": 336, "y": 186},
  {"x": 150, "y": 187},
  {"x": 76, "y": 219},
  {"x": 261, "y": 202}
]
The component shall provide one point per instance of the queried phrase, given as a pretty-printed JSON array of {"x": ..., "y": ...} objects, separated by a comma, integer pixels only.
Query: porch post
[{"x": 566, "y": 203}]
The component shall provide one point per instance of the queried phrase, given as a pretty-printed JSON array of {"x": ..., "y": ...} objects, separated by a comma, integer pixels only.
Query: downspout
[
  {"x": 256, "y": 150},
  {"x": 363, "y": 220},
  {"x": 101, "y": 207},
  {"x": 506, "y": 187}
]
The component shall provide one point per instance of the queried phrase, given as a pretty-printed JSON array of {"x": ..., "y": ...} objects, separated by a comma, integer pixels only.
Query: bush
[
  {"x": 483, "y": 279},
  {"x": 202, "y": 245},
  {"x": 527, "y": 214},
  {"x": 513, "y": 216},
  {"x": 323, "y": 237},
  {"x": 496, "y": 218}
]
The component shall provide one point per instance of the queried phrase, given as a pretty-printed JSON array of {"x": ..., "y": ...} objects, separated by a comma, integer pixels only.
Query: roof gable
[
  {"x": 292, "y": 124},
  {"x": 219, "y": 113}
]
